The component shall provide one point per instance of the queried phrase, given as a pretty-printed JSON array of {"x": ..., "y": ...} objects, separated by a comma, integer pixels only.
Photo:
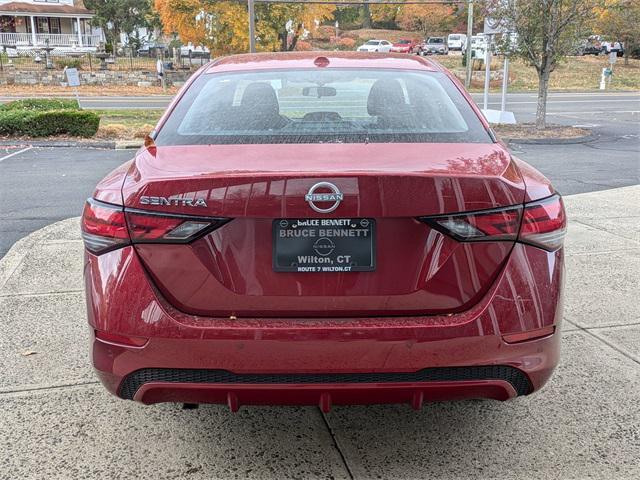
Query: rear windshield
[
  {"x": 436, "y": 40},
  {"x": 454, "y": 37},
  {"x": 322, "y": 105}
]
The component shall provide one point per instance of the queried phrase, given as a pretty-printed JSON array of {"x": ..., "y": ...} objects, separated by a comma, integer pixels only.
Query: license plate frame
[{"x": 325, "y": 246}]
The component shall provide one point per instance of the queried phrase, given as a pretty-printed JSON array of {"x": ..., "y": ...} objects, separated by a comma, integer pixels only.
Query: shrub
[
  {"x": 68, "y": 62},
  {"x": 323, "y": 32},
  {"x": 35, "y": 123},
  {"x": 12, "y": 121},
  {"x": 346, "y": 43},
  {"x": 40, "y": 104},
  {"x": 303, "y": 46}
]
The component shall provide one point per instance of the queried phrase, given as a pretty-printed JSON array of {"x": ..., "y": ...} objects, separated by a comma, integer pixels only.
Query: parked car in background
[
  {"x": 609, "y": 47},
  {"x": 190, "y": 50},
  {"x": 588, "y": 47},
  {"x": 478, "y": 46},
  {"x": 152, "y": 50},
  {"x": 404, "y": 46},
  {"x": 457, "y": 41},
  {"x": 376, "y": 46},
  {"x": 434, "y": 46}
]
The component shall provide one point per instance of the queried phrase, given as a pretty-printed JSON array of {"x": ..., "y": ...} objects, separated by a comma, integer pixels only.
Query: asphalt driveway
[{"x": 57, "y": 422}]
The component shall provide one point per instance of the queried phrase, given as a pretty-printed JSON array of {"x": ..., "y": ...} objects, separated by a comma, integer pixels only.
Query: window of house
[
  {"x": 42, "y": 25},
  {"x": 54, "y": 25}
]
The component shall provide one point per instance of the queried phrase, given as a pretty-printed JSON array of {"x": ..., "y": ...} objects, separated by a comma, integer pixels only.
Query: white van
[{"x": 457, "y": 41}]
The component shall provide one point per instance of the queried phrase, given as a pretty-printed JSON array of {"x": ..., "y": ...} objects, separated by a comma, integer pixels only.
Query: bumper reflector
[
  {"x": 529, "y": 335},
  {"x": 123, "y": 340}
]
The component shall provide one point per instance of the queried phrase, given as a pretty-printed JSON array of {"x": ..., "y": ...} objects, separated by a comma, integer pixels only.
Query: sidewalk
[{"x": 58, "y": 422}]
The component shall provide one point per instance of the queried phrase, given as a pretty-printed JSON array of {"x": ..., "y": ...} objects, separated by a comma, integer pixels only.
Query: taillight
[
  {"x": 541, "y": 223},
  {"x": 487, "y": 225},
  {"x": 544, "y": 223},
  {"x": 106, "y": 227},
  {"x": 147, "y": 227}
]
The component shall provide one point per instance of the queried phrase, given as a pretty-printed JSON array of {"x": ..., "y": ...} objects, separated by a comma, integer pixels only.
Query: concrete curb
[
  {"x": 107, "y": 144},
  {"x": 551, "y": 141}
]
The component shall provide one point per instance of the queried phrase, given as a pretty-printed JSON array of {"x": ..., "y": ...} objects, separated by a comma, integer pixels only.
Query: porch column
[
  {"x": 79, "y": 32},
  {"x": 33, "y": 31}
]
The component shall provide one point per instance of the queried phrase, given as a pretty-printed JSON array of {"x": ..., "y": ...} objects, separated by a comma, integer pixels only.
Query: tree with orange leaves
[
  {"x": 222, "y": 26},
  {"x": 426, "y": 19}
]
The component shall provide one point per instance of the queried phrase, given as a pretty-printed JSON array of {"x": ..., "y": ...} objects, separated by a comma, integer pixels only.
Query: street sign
[
  {"x": 495, "y": 25},
  {"x": 73, "y": 77},
  {"x": 73, "y": 80}
]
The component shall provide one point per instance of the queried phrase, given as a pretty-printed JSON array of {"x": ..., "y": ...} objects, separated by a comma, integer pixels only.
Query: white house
[{"x": 62, "y": 24}]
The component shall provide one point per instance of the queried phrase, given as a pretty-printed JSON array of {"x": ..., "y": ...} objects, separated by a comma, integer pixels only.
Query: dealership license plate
[{"x": 324, "y": 245}]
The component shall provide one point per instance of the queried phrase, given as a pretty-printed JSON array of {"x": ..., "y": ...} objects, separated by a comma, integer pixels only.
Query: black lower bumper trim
[{"x": 517, "y": 378}]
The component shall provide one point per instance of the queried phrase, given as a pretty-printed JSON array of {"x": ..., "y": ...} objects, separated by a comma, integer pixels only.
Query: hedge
[
  {"x": 40, "y": 104},
  {"x": 35, "y": 123}
]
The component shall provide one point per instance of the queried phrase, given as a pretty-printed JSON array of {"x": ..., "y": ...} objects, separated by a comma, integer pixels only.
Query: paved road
[{"x": 39, "y": 186}]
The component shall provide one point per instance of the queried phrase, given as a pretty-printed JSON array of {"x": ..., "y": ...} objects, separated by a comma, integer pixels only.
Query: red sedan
[
  {"x": 404, "y": 46},
  {"x": 342, "y": 229}
]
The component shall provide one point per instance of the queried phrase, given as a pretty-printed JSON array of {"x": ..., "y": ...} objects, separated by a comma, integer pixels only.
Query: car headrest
[
  {"x": 385, "y": 96},
  {"x": 261, "y": 99}
]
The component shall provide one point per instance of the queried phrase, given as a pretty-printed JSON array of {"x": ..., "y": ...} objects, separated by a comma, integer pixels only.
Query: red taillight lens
[
  {"x": 152, "y": 228},
  {"x": 489, "y": 225},
  {"x": 544, "y": 223},
  {"x": 541, "y": 223},
  {"x": 104, "y": 227}
]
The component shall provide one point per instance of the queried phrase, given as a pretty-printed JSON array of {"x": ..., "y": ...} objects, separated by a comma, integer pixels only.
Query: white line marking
[
  {"x": 15, "y": 153},
  {"x": 593, "y": 112}
]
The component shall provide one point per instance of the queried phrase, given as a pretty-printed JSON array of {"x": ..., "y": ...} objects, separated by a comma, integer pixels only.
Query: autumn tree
[
  {"x": 426, "y": 19},
  {"x": 619, "y": 20},
  {"x": 120, "y": 16},
  {"x": 384, "y": 14},
  {"x": 547, "y": 30},
  {"x": 279, "y": 26},
  {"x": 223, "y": 25}
]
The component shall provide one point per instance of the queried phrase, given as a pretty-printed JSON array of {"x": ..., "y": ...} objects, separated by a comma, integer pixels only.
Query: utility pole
[
  {"x": 252, "y": 26},
  {"x": 467, "y": 80}
]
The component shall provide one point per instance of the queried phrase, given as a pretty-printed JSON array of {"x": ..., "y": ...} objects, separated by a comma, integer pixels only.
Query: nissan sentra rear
[{"x": 339, "y": 229}]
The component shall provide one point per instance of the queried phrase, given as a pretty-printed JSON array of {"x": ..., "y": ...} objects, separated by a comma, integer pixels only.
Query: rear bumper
[{"x": 325, "y": 361}]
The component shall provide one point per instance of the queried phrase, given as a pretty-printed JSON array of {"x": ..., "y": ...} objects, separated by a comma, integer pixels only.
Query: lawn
[
  {"x": 573, "y": 74},
  {"x": 126, "y": 124}
]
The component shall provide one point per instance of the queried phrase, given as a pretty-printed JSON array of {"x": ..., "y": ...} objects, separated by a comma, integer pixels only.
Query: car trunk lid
[{"x": 230, "y": 271}]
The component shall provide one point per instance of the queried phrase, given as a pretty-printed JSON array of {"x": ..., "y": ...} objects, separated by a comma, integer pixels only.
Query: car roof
[{"x": 299, "y": 60}]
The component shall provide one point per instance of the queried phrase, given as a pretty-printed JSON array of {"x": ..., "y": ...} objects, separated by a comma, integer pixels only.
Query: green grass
[{"x": 128, "y": 118}]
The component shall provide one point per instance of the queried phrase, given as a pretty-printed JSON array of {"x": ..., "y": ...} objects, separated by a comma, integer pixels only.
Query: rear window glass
[{"x": 322, "y": 105}]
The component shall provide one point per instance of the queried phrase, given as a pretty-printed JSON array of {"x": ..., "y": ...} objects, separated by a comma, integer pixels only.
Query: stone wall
[
  {"x": 139, "y": 78},
  {"x": 106, "y": 77}
]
